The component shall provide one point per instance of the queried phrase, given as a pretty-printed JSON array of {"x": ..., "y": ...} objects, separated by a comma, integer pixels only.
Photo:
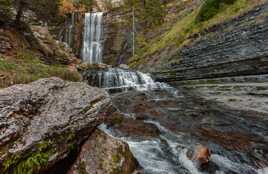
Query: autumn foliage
[{"x": 68, "y": 6}]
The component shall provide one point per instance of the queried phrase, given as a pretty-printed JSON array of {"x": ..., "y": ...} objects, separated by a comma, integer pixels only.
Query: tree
[
  {"x": 46, "y": 10},
  {"x": 149, "y": 12},
  {"x": 20, "y": 6},
  {"x": 5, "y": 9}
]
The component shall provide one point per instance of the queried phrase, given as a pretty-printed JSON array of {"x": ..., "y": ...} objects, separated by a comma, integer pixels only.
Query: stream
[
  {"x": 237, "y": 140},
  {"x": 163, "y": 125}
]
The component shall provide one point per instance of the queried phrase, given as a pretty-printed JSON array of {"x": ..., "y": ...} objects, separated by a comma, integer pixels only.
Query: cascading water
[
  {"x": 92, "y": 45},
  {"x": 117, "y": 79},
  {"x": 67, "y": 33},
  {"x": 182, "y": 121}
]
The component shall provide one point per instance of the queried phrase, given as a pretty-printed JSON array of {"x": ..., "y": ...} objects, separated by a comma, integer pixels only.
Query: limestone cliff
[{"x": 233, "y": 48}]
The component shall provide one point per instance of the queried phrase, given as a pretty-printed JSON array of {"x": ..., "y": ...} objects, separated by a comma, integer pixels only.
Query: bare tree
[{"x": 20, "y": 5}]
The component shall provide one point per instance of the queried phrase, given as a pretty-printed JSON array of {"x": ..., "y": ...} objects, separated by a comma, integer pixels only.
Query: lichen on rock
[
  {"x": 42, "y": 122},
  {"x": 103, "y": 154}
]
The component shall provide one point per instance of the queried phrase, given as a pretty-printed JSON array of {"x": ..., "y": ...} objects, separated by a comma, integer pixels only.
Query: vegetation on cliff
[
  {"x": 210, "y": 13},
  {"x": 28, "y": 52},
  {"x": 49, "y": 11},
  {"x": 26, "y": 67},
  {"x": 147, "y": 12}
]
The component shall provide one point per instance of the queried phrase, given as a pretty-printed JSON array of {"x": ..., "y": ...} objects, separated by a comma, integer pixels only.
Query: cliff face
[
  {"x": 116, "y": 37},
  {"x": 233, "y": 48}
]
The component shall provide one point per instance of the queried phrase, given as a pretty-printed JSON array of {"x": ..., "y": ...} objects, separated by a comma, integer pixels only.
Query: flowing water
[
  {"x": 238, "y": 141},
  {"x": 67, "y": 33},
  {"x": 117, "y": 79},
  {"x": 163, "y": 125},
  {"x": 92, "y": 44}
]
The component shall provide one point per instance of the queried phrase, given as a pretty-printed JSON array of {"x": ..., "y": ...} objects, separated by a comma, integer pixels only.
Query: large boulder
[
  {"x": 103, "y": 154},
  {"x": 41, "y": 122}
]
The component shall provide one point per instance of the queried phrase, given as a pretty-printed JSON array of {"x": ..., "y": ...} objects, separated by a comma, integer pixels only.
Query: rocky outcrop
[
  {"x": 5, "y": 45},
  {"x": 233, "y": 48},
  {"x": 71, "y": 32},
  {"x": 117, "y": 37},
  {"x": 11, "y": 40},
  {"x": 248, "y": 93},
  {"x": 54, "y": 51},
  {"x": 41, "y": 122},
  {"x": 103, "y": 154}
]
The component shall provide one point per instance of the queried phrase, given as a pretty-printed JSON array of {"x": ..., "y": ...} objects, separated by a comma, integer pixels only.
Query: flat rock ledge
[{"x": 42, "y": 122}]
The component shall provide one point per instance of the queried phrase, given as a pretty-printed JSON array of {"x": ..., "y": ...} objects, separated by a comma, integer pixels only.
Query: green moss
[
  {"x": 32, "y": 164},
  {"x": 44, "y": 145},
  {"x": 82, "y": 168},
  {"x": 116, "y": 158},
  {"x": 33, "y": 161},
  {"x": 118, "y": 119},
  {"x": 210, "y": 8},
  {"x": 4, "y": 65},
  {"x": 10, "y": 162}
]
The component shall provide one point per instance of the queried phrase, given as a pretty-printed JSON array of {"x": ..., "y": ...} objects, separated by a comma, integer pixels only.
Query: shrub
[{"x": 210, "y": 8}]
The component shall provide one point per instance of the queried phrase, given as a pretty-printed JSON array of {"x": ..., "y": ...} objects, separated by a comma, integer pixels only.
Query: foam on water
[
  {"x": 151, "y": 157},
  {"x": 263, "y": 171},
  {"x": 187, "y": 163},
  {"x": 227, "y": 165}
]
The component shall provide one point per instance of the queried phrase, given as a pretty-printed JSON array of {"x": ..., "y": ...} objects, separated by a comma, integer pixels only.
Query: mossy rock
[{"x": 104, "y": 154}]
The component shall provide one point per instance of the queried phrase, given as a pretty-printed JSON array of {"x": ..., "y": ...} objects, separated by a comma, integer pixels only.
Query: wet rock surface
[
  {"x": 129, "y": 127},
  {"x": 41, "y": 122},
  {"x": 236, "y": 139},
  {"x": 102, "y": 154}
]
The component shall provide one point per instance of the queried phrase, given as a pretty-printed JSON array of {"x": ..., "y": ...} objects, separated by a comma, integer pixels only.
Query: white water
[
  {"x": 117, "y": 78},
  {"x": 67, "y": 37},
  {"x": 92, "y": 45},
  {"x": 154, "y": 160}
]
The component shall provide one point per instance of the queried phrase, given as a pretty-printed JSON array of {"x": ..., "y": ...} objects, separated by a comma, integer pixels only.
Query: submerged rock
[
  {"x": 103, "y": 154},
  {"x": 41, "y": 122},
  {"x": 129, "y": 127},
  {"x": 201, "y": 156}
]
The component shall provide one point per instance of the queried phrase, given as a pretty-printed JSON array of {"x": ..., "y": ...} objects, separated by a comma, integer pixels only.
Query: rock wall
[
  {"x": 117, "y": 38},
  {"x": 234, "y": 48}
]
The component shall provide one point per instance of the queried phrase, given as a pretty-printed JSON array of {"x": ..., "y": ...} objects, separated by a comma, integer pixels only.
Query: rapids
[
  {"x": 238, "y": 141},
  {"x": 163, "y": 125}
]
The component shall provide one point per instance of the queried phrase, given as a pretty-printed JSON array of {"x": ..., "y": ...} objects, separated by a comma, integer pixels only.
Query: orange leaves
[{"x": 68, "y": 6}]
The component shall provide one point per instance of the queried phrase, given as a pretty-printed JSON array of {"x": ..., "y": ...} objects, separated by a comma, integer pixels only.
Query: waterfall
[
  {"x": 117, "y": 79},
  {"x": 92, "y": 45},
  {"x": 67, "y": 33}
]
